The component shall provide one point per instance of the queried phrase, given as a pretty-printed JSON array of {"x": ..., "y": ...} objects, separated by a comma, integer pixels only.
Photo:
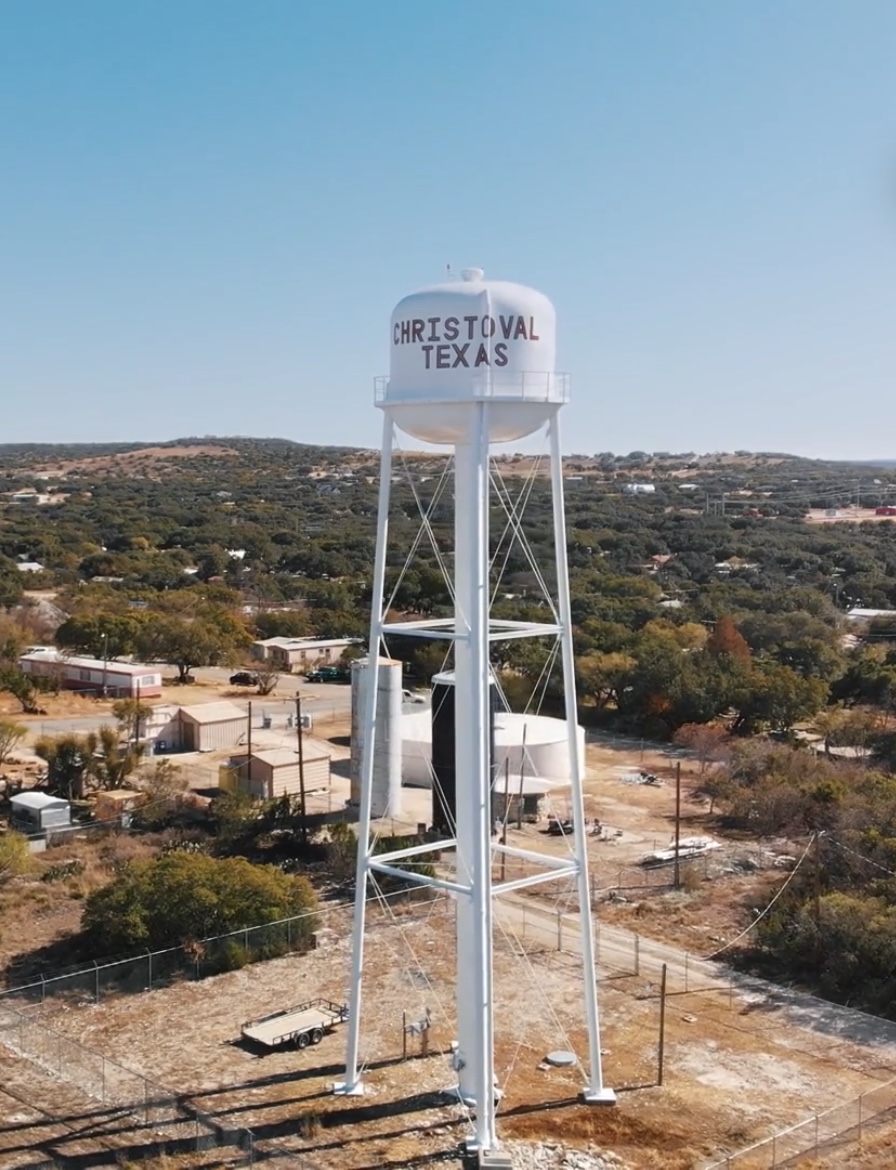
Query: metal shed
[
  {"x": 268, "y": 774},
  {"x": 210, "y": 727},
  {"x": 36, "y": 813}
]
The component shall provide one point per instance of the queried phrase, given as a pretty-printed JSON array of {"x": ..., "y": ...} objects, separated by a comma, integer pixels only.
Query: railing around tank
[{"x": 518, "y": 386}]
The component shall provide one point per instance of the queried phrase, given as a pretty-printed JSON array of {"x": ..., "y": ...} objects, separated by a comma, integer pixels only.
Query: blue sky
[{"x": 209, "y": 208}]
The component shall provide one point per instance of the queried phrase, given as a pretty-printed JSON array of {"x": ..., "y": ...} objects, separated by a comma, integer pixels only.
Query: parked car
[
  {"x": 412, "y": 697},
  {"x": 244, "y": 678},
  {"x": 329, "y": 674}
]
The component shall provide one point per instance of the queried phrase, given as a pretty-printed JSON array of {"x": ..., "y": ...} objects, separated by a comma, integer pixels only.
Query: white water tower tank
[
  {"x": 386, "y": 787},
  {"x": 473, "y": 340}
]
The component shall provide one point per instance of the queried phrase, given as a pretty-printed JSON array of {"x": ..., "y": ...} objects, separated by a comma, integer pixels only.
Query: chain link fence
[
  {"x": 149, "y": 1119},
  {"x": 209, "y": 956},
  {"x": 820, "y": 1135}
]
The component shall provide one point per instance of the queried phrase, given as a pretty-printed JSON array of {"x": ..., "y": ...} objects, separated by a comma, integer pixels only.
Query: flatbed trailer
[{"x": 296, "y": 1027}]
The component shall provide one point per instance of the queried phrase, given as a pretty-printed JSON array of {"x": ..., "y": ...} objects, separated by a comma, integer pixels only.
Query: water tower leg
[
  {"x": 595, "y": 1092},
  {"x": 475, "y": 1055},
  {"x": 352, "y": 1085}
]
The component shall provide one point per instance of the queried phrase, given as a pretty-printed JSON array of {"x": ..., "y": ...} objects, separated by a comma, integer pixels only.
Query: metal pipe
[
  {"x": 420, "y": 879},
  {"x": 596, "y": 1091},
  {"x": 533, "y": 879},
  {"x": 352, "y": 1086}
]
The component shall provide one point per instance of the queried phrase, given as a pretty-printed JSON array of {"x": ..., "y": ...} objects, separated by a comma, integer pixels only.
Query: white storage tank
[
  {"x": 536, "y": 745},
  {"x": 386, "y": 794},
  {"x": 473, "y": 340}
]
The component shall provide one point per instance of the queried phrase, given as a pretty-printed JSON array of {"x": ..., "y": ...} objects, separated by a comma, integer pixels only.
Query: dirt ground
[{"x": 733, "y": 1071}]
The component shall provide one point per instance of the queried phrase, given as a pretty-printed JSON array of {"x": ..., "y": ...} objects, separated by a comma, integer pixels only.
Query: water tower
[{"x": 472, "y": 364}]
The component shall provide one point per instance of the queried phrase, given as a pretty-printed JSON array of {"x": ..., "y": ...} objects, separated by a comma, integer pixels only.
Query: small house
[
  {"x": 266, "y": 775},
  {"x": 119, "y": 680},
  {"x": 300, "y": 654},
  {"x": 37, "y": 813},
  {"x": 209, "y": 727}
]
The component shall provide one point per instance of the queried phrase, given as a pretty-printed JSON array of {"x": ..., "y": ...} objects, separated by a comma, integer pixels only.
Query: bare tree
[{"x": 267, "y": 675}]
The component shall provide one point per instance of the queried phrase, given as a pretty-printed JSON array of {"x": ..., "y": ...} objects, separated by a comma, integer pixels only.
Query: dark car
[
  {"x": 244, "y": 678},
  {"x": 333, "y": 674}
]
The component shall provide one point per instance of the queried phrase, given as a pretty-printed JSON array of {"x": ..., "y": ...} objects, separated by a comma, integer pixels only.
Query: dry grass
[{"x": 733, "y": 1073}]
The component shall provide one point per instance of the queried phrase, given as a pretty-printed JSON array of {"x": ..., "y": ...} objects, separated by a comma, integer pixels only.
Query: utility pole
[
  {"x": 249, "y": 748},
  {"x": 661, "y": 1051},
  {"x": 105, "y": 638},
  {"x": 506, "y": 810},
  {"x": 677, "y": 880},
  {"x": 816, "y": 895},
  {"x": 304, "y": 822},
  {"x": 519, "y": 803}
]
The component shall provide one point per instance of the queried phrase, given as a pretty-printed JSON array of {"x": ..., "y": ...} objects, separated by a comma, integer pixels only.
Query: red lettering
[
  {"x": 500, "y": 354},
  {"x": 520, "y": 330},
  {"x": 506, "y": 327},
  {"x": 481, "y": 356},
  {"x": 533, "y": 336}
]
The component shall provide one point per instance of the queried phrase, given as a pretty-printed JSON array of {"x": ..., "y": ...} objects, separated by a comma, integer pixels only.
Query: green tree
[
  {"x": 130, "y": 713},
  {"x": 181, "y": 898},
  {"x": 11, "y": 734},
  {"x": 15, "y": 856},
  {"x": 100, "y": 635},
  {"x": 21, "y": 686},
  {"x": 109, "y": 763},
  {"x": 66, "y": 757},
  {"x": 603, "y": 676}
]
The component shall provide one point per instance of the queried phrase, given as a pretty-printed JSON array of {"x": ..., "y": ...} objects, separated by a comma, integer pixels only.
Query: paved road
[{"x": 616, "y": 952}]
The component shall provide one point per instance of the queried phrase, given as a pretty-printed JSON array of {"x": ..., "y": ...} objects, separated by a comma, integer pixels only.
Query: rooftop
[
  {"x": 37, "y": 800},
  {"x": 305, "y": 643},
  {"x": 213, "y": 712},
  {"x": 48, "y": 654},
  {"x": 281, "y": 757}
]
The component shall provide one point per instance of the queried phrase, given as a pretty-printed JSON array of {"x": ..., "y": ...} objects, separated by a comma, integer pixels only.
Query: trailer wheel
[
  {"x": 317, "y": 1035},
  {"x": 303, "y": 1040}
]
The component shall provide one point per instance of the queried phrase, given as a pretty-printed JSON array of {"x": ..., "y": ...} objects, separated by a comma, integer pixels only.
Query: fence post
[{"x": 637, "y": 954}]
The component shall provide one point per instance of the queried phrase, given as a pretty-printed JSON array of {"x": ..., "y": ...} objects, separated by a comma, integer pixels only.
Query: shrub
[{"x": 182, "y": 897}]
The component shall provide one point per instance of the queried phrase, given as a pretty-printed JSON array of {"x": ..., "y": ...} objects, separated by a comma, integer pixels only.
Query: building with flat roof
[
  {"x": 120, "y": 680},
  {"x": 301, "y": 654},
  {"x": 270, "y": 773}
]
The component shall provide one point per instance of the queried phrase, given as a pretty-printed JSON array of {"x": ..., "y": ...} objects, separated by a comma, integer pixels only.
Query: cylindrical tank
[
  {"x": 534, "y": 746},
  {"x": 443, "y": 753},
  {"x": 385, "y": 798},
  {"x": 473, "y": 340}
]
